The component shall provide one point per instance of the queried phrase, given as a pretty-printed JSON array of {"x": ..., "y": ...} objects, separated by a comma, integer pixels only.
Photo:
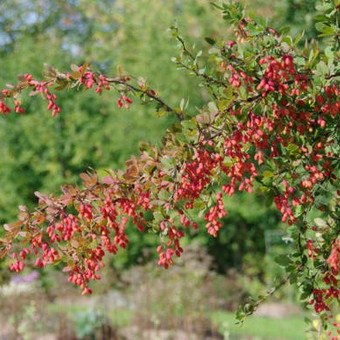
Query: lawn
[{"x": 260, "y": 327}]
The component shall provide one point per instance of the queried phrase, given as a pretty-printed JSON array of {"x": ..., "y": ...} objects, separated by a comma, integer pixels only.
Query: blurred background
[{"x": 135, "y": 299}]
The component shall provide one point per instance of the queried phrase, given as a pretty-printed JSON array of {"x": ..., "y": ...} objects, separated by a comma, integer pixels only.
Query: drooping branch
[{"x": 80, "y": 76}]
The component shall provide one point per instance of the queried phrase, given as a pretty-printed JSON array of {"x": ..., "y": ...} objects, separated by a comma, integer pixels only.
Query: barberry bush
[{"x": 270, "y": 126}]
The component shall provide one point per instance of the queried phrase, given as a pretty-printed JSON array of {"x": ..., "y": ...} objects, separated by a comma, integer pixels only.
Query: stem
[
  {"x": 195, "y": 69},
  {"x": 204, "y": 75},
  {"x": 146, "y": 92}
]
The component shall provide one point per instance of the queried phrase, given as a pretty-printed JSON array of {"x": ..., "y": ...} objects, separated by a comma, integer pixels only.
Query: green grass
[
  {"x": 261, "y": 328},
  {"x": 121, "y": 317}
]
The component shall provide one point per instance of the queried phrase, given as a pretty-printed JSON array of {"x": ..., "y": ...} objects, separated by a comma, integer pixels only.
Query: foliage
[
  {"x": 270, "y": 127},
  {"x": 87, "y": 322},
  {"x": 293, "y": 16}
]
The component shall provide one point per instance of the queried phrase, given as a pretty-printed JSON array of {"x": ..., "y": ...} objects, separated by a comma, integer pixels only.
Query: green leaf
[
  {"x": 324, "y": 7},
  {"x": 299, "y": 37},
  {"x": 328, "y": 30},
  {"x": 293, "y": 278},
  {"x": 60, "y": 87},
  {"x": 158, "y": 215},
  {"x": 267, "y": 174},
  {"x": 164, "y": 195},
  {"x": 304, "y": 295},
  {"x": 293, "y": 149},
  {"x": 284, "y": 30},
  {"x": 282, "y": 260},
  {"x": 267, "y": 178},
  {"x": 199, "y": 205},
  {"x": 299, "y": 210},
  {"x": 190, "y": 124},
  {"x": 329, "y": 53},
  {"x": 320, "y": 17},
  {"x": 320, "y": 222},
  {"x": 161, "y": 113},
  {"x": 217, "y": 6},
  {"x": 324, "y": 29},
  {"x": 210, "y": 41},
  {"x": 168, "y": 163},
  {"x": 262, "y": 189}
]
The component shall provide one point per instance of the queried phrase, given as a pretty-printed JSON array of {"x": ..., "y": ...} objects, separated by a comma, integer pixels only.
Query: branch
[
  {"x": 147, "y": 92},
  {"x": 81, "y": 76}
]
